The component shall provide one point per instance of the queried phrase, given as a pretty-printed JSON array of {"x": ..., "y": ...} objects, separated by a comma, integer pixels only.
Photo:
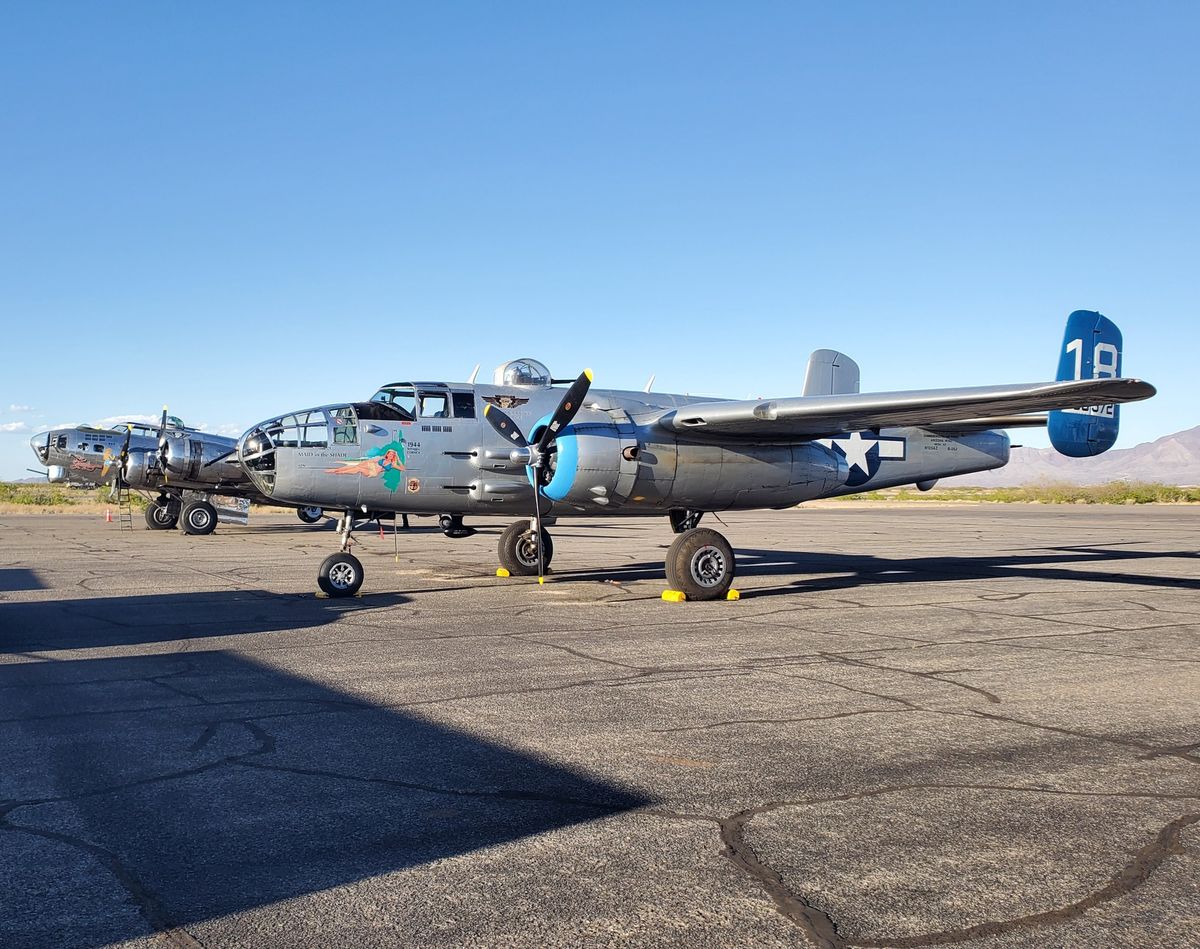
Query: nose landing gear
[
  {"x": 341, "y": 574},
  {"x": 518, "y": 549}
]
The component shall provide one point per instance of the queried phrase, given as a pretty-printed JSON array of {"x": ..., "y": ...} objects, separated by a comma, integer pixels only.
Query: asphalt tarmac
[{"x": 920, "y": 726}]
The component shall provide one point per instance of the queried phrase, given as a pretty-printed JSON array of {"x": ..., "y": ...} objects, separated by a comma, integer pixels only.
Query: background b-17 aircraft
[
  {"x": 184, "y": 468},
  {"x": 522, "y": 446}
]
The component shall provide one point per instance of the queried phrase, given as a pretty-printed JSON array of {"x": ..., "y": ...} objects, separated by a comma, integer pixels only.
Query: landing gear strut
[
  {"x": 341, "y": 574},
  {"x": 518, "y": 549},
  {"x": 162, "y": 514},
  {"x": 700, "y": 563},
  {"x": 684, "y": 520}
]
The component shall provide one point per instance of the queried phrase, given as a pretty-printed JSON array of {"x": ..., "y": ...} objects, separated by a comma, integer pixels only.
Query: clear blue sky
[{"x": 240, "y": 209}]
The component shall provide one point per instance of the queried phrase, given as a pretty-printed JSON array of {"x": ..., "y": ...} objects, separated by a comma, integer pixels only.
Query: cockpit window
[
  {"x": 61, "y": 443},
  {"x": 402, "y": 400},
  {"x": 303, "y": 430},
  {"x": 464, "y": 405},
  {"x": 435, "y": 405},
  {"x": 345, "y": 426}
]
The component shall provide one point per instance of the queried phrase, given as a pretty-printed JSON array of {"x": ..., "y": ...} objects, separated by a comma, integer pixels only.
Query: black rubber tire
[
  {"x": 198, "y": 517},
  {"x": 161, "y": 517},
  {"x": 453, "y": 527},
  {"x": 700, "y": 563},
  {"x": 310, "y": 515},
  {"x": 518, "y": 550},
  {"x": 340, "y": 575}
]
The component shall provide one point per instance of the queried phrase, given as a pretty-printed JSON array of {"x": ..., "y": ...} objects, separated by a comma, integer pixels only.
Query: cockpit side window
[
  {"x": 61, "y": 443},
  {"x": 345, "y": 426},
  {"x": 435, "y": 405},
  {"x": 464, "y": 405},
  {"x": 401, "y": 400}
]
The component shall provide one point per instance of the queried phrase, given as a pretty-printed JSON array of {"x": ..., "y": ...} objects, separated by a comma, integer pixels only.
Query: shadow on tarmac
[
  {"x": 833, "y": 571},
  {"x": 13, "y": 579},
  {"x": 164, "y": 617},
  {"x": 148, "y": 792}
]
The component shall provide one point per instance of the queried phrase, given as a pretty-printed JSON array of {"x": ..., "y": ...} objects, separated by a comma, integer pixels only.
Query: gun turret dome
[{"x": 525, "y": 372}]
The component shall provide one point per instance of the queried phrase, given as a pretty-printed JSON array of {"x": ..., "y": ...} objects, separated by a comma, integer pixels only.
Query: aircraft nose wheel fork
[{"x": 700, "y": 564}]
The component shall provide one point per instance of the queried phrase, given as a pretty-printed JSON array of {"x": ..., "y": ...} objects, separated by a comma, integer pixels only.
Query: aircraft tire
[
  {"x": 340, "y": 575},
  {"x": 161, "y": 517},
  {"x": 310, "y": 514},
  {"x": 198, "y": 517},
  {"x": 518, "y": 550},
  {"x": 700, "y": 563},
  {"x": 452, "y": 526}
]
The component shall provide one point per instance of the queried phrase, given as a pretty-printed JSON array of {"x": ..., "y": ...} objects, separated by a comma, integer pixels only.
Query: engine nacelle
[
  {"x": 194, "y": 458},
  {"x": 141, "y": 469},
  {"x": 590, "y": 464}
]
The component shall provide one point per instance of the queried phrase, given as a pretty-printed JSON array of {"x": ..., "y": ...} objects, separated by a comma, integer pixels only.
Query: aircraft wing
[{"x": 821, "y": 416}]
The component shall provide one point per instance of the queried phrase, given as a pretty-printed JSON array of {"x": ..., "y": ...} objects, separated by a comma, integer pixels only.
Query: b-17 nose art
[
  {"x": 525, "y": 446},
  {"x": 184, "y": 470}
]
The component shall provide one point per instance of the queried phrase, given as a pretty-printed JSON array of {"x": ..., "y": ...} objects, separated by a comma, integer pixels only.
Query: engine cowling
[
  {"x": 589, "y": 467},
  {"x": 141, "y": 469}
]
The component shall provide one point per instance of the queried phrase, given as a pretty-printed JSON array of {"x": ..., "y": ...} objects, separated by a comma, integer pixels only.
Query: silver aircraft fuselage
[
  {"x": 196, "y": 460},
  {"x": 427, "y": 448}
]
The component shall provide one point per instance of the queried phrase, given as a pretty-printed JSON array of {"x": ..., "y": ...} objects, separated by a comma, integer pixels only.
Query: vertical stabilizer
[
  {"x": 1091, "y": 350},
  {"x": 830, "y": 373}
]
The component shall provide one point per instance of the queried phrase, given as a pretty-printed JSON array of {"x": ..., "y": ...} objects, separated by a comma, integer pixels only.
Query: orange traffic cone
[{"x": 107, "y": 516}]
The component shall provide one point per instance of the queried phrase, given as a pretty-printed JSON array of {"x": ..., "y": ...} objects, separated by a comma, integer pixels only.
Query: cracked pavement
[{"x": 923, "y": 725}]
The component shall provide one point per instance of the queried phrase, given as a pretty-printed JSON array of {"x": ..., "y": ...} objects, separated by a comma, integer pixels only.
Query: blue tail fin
[{"x": 1091, "y": 350}]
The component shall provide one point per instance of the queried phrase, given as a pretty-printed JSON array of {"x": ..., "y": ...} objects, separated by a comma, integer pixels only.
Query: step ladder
[{"x": 125, "y": 509}]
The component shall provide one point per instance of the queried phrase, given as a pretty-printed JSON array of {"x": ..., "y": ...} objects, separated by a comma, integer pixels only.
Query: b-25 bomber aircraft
[
  {"x": 522, "y": 445},
  {"x": 182, "y": 466}
]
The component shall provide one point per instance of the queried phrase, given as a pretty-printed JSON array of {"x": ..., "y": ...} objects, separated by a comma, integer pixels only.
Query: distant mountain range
[{"x": 1172, "y": 459}]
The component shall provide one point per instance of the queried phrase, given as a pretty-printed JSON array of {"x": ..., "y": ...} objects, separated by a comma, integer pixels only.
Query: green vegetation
[
  {"x": 1115, "y": 492},
  {"x": 33, "y": 494}
]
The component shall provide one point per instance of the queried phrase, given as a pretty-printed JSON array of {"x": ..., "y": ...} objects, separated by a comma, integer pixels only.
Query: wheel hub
[
  {"x": 342, "y": 576},
  {"x": 708, "y": 566},
  {"x": 527, "y": 549}
]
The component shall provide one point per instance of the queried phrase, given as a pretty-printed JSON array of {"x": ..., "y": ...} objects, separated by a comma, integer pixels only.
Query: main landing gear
[
  {"x": 452, "y": 526},
  {"x": 341, "y": 574},
  {"x": 198, "y": 517},
  {"x": 162, "y": 514},
  {"x": 518, "y": 549},
  {"x": 684, "y": 520},
  {"x": 310, "y": 515},
  {"x": 700, "y": 563}
]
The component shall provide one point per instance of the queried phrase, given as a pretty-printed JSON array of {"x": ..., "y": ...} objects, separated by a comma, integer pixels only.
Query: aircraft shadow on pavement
[
  {"x": 149, "y": 792},
  {"x": 165, "y": 617},
  {"x": 833, "y": 571},
  {"x": 13, "y": 579}
]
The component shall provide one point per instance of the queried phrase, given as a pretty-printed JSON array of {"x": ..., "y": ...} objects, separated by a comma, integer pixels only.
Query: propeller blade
[
  {"x": 567, "y": 409},
  {"x": 163, "y": 445},
  {"x": 505, "y": 426}
]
